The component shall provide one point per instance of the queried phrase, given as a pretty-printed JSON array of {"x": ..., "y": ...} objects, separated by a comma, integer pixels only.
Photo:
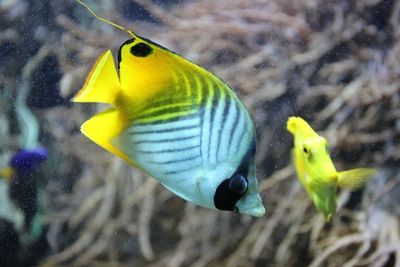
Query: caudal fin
[
  {"x": 102, "y": 84},
  {"x": 354, "y": 179},
  {"x": 104, "y": 127}
]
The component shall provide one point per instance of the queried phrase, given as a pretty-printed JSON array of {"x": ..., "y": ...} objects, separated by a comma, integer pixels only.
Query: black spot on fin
[{"x": 141, "y": 50}]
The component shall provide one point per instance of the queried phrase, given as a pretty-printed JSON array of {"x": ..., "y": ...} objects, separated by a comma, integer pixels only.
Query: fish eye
[
  {"x": 238, "y": 184},
  {"x": 305, "y": 150}
]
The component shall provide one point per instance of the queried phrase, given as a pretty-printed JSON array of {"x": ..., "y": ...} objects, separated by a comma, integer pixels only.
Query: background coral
[{"x": 335, "y": 63}]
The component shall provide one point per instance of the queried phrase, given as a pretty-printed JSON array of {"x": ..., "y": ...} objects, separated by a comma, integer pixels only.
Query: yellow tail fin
[
  {"x": 354, "y": 179},
  {"x": 104, "y": 127},
  {"x": 102, "y": 84}
]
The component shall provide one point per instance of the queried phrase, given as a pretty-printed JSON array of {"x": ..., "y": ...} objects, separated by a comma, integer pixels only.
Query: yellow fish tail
[
  {"x": 354, "y": 179},
  {"x": 104, "y": 127},
  {"x": 102, "y": 84}
]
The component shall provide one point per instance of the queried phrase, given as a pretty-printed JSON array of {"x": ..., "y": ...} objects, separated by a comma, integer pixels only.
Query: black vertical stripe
[
  {"x": 243, "y": 131},
  {"x": 180, "y": 85},
  {"x": 214, "y": 106},
  {"x": 234, "y": 125},
  {"x": 204, "y": 89},
  {"x": 227, "y": 104},
  {"x": 193, "y": 85},
  {"x": 227, "y": 128}
]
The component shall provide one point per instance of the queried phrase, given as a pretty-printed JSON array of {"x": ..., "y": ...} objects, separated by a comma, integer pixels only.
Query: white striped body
[{"x": 192, "y": 154}]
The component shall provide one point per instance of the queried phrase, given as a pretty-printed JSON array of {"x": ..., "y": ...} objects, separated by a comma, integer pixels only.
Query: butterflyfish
[
  {"x": 316, "y": 171},
  {"x": 175, "y": 121}
]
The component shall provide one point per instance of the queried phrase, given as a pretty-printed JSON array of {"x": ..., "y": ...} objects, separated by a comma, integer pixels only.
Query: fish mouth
[
  {"x": 252, "y": 205},
  {"x": 256, "y": 211}
]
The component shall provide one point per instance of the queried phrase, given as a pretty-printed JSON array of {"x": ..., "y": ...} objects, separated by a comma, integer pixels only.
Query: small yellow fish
[
  {"x": 175, "y": 121},
  {"x": 315, "y": 168}
]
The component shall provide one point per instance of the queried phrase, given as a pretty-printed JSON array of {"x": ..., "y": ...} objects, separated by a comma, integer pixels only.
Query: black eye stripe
[
  {"x": 141, "y": 50},
  {"x": 225, "y": 198}
]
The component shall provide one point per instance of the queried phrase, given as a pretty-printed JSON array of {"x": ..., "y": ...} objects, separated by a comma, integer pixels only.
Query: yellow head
[{"x": 313, "y": 150}]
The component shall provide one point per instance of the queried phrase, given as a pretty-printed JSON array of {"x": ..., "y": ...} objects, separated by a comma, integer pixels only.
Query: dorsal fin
[{"x": 102, "y": 83}]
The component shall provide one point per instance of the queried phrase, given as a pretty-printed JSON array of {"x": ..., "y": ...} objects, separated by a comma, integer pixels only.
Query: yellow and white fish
[
  {"x": 315, "y": 168},
  {"x": 175, "y": 121}
]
